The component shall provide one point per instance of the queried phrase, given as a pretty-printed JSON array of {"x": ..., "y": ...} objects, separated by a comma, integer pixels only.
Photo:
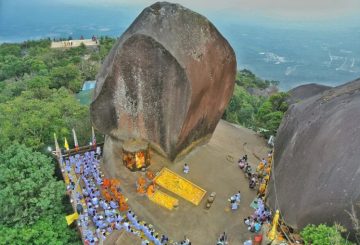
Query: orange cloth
[
  {"x": 150, "y": 190},
  {"x": 141, "y": 181},
  {"x": 113, "y": 189},
  {"x": 150, "y": 175},
  {"x": 141, "y": 190},
  {"x": 260, "y": 167},
  {"x": 106, "y": 183},
  {"x": 120, "y": 197},
  {"x": 115, "y": 183},
  {"x": 106, "y": 195},
  {"x": 116, "y": 195},
  {"x": 262, "y": 189},
  {"x": 123, "y": 206}
]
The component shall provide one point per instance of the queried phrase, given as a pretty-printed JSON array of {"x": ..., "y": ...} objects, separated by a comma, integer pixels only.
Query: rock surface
[
  {"x": 316, "y": 174},
  {"x": 305, "y": 91},
  {"x": 167, "y": 80}
]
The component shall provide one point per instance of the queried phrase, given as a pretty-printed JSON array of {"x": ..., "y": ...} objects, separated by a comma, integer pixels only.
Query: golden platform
[
  {"x": 164, "y": 200},
  {"x": 180, "y": 186}
]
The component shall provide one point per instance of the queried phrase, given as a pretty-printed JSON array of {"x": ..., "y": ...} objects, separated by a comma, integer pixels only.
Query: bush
[{"x": 324, "y": 235}]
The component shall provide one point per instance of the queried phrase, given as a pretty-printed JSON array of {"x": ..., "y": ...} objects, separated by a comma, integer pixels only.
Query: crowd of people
[
  {"x": 67, "y": 43},
  {"x": 261, "y": 176},
  {"x": 261, "y": 216},
  {"x": 99, "y": 214},
  {"x": 103, "y": 209},
  {"x": 258, "y": 179}
]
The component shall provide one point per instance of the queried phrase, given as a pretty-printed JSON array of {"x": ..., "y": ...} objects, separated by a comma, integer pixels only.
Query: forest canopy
[{"x": 37, "y": 99}]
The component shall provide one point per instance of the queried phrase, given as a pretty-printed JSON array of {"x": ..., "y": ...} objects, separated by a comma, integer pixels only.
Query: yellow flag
[
  {"x": 275, "y": 222},
  {"x": 66, "y": 144},
  {"x": 71, "y": 218},
  {"x": 67, "y": 180}
]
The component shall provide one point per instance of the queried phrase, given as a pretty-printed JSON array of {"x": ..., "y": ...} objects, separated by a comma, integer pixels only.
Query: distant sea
[{"x": 293, "y": 53}]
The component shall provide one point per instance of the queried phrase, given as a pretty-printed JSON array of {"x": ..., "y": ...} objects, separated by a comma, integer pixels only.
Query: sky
[
  {"x": 282, "y": 9},
  {"x": 293, "y": 41}
]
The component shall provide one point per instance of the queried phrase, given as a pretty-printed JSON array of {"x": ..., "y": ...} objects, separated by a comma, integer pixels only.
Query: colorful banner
[
  {"x": 66, "y": 145},
  {"x": 71, "y": 218}
]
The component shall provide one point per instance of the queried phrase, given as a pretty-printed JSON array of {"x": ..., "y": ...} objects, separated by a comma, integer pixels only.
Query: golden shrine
[{"x": 136, "y": 155}]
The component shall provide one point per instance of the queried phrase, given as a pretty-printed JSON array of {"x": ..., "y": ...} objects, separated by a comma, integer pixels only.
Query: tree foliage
[
  {"x": 31, "y": 210},
  {"x": 50, "y": 231},
  {"x": 32, "y": 121},
  {"x": 28, "y": 189},
  {"x": 324, "y": 235},
  {"x": 242, "y": 107},
  {"x": 271, "y": 112},
  {"x": 66, "y": 76},
  {"x": 246, "y": 79},
  {"x": 252, "y": 111},
  {"x": 106, "y": 44}
]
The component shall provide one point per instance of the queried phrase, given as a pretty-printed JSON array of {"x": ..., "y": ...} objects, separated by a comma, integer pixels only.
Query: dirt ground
[{"x": 213, "y": 167}]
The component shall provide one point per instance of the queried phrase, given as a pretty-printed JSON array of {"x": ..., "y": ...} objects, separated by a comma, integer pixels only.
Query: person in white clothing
[{"x": 186, "y": 169}]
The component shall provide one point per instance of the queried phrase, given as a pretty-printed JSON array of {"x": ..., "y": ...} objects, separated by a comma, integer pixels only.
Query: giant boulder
[
  {"x": 316, "y": 174},
  {"x": 167, "y": 80},
  {"x": 305, "y": 91}
]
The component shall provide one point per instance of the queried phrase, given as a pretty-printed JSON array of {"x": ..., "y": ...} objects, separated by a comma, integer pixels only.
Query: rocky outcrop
[
  {"x": 305, "y": 91},
  {"x": 267, "y": 92},
  {"x": 167, "y": 80},
  {"x": 316, "y": 174}
]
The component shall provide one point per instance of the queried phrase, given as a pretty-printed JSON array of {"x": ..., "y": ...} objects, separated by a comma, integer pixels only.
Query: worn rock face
[
  {"x": 316, "y": 162},
  {"x": 167, "y": 80},
  {"x": 305, "y": 91}
]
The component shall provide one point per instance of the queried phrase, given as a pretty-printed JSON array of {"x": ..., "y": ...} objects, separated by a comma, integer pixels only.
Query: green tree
[
  {"x": 36, "y": 65},
  {"x": 39, "y": 85},
  {"x": 31, "y": 210},
  {"x": 32, "y": 121},
  {"x": 279, "y": 101},
  {"x": 10, "y": 49},
  {"x": 13, "y": 66},
  {"x": 66, "y": 76},
  {"x": 28, "y": 189},
  {"x": 324, "y": 235},
  {"x": 271, "y": 112},
  {"x": 247, "y": 79},
  {"x": 106, "y": 43},
  {"x": 50, "y": 231},
  {"x": 89, "y": 69},
  {"x": 242, "y": 107},
  {"x": 11, "y": 88}
]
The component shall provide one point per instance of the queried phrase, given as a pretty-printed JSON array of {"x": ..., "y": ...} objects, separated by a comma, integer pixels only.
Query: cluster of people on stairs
[{"x": 100, "y": 216}]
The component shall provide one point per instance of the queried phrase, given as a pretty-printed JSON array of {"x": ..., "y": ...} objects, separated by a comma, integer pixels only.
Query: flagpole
[
  {"x": 93, "y": 141},
  {"x": 57, "y": 147},
  {"x": 75, "y": 140}
]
